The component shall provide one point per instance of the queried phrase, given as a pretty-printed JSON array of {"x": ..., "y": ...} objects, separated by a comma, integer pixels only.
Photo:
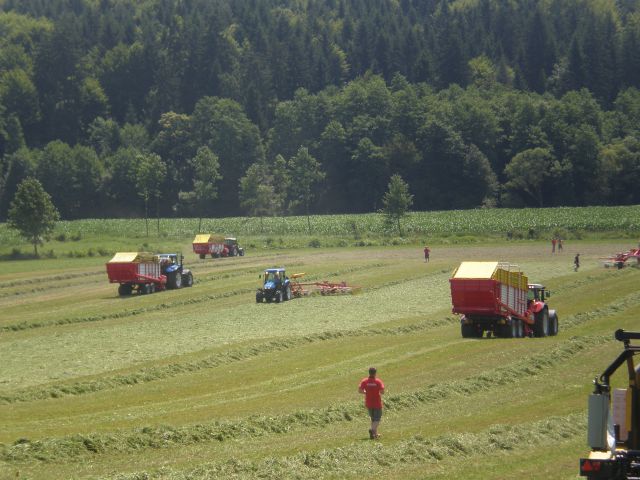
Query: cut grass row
[
  {"x": 415, "y": 358},
  {"x": 383, "y": 460},
  {"x": 160, "y": 437},
  {"x": 234, "y": 355}
]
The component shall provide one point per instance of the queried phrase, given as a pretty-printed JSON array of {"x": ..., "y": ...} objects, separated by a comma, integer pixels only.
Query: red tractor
[
  {"x": 216, "y": 246},
  {"x": 495, "y": 297}
]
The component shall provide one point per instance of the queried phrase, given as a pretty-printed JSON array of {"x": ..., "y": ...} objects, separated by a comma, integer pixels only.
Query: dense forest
[{"x": 475, "y": 103}]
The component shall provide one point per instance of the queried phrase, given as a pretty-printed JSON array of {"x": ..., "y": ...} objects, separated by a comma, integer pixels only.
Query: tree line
[{"x": 277, "y": 106}]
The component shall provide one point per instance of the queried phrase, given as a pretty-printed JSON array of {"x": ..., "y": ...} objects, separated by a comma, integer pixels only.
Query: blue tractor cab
[
  {"x": 172, "y": 266},
  {"x": 276, "y": 286}
]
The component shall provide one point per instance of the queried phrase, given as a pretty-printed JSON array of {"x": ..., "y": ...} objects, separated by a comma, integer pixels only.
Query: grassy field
[{"x": 204, "y": 383}]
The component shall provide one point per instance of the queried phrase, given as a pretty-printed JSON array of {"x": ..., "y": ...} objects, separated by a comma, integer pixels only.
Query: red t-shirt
[{"x": 372, "y": 387}]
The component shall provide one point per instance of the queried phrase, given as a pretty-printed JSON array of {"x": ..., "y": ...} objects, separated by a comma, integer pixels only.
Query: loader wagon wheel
[
  {"x": 469, "y": 330},
  {"x": 125, "y": 289},
  {"x": 202, "y": 256},
  {"x": 541, "y": 323}
]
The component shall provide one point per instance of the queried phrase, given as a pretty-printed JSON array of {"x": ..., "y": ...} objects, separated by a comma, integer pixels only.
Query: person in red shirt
[{"x": 372, "y": 388}]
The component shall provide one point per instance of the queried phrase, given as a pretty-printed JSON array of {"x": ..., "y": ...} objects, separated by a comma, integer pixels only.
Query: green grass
[{"x": 204, "y": 383}]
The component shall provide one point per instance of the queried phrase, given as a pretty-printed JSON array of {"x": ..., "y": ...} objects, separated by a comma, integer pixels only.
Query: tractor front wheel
[
  {"x": 287, "y": 293},
  {"x": 175, "y": 280},
  {"x": 187, "y": 279},
  {"x": 279, "y": 296},
  {"x": 541, "y": 323},
  {"x": 553, "y": 323},
  {"x": 258, "y": 297}
]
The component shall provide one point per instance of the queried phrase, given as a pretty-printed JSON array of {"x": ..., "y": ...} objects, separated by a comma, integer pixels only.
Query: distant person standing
[
  {"x": 427, "y": 251},
  {"x": 372, "y": 388},
  {"x": 559, "y": 244},
  {"x": 553, "y": 245},
  {"x": 576, "y": 262}
]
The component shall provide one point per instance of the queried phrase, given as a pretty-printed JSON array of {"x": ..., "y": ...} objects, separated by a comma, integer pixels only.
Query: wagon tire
[
  {"x": 151, "y": 288},
  {"x": 468, "y": 330},
  {"x": 124, "y": 290},
  {"x": 203, "y": 256},
  {"x": 513, "y": 328}
]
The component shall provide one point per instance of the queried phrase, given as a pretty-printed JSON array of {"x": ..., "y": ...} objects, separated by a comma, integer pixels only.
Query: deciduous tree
[
  {"x": 396, "y": 201},
  {"x": 32, "y": 213}
]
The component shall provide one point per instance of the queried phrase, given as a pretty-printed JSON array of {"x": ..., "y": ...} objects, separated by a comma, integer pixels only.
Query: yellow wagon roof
[
  {"x": 208, "y": 237},
  {"x": 136, "y": 257},
  {"x": 475, "y": 270}
]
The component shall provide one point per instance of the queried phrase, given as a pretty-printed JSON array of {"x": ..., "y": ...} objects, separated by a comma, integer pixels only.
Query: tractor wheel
[
  {"x": 279, "y": 296},
  {"x": 287, "y": 293},
  {"x": 553, "y": 323},
  {"x": 541, "y": 324},
  {"x": 203, "y": 256},
  {"x": 258, "y": 297},
  {"x": 125, "y": 289},
  {"x": 241, "y": 253},
  {"x": 187, "y": 279},
  {"x": 175, "y": 280}
]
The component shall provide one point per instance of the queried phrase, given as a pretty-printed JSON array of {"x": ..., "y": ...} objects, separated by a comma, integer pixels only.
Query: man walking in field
[
  {"x": 372, "y": 388},
  {"x": 576, "y": 262}
]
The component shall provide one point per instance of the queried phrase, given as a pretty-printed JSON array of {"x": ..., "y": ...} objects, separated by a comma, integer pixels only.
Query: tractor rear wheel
[
  {"x": 541, "y": 323},
  {"x": 125, "y": 289},
  {"x": 553, "y": 323}
]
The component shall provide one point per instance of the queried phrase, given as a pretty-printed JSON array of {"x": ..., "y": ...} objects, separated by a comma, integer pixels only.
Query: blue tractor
[
  {"x": 276, "y": 286},
  {"x": 172, "y": 266}
]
